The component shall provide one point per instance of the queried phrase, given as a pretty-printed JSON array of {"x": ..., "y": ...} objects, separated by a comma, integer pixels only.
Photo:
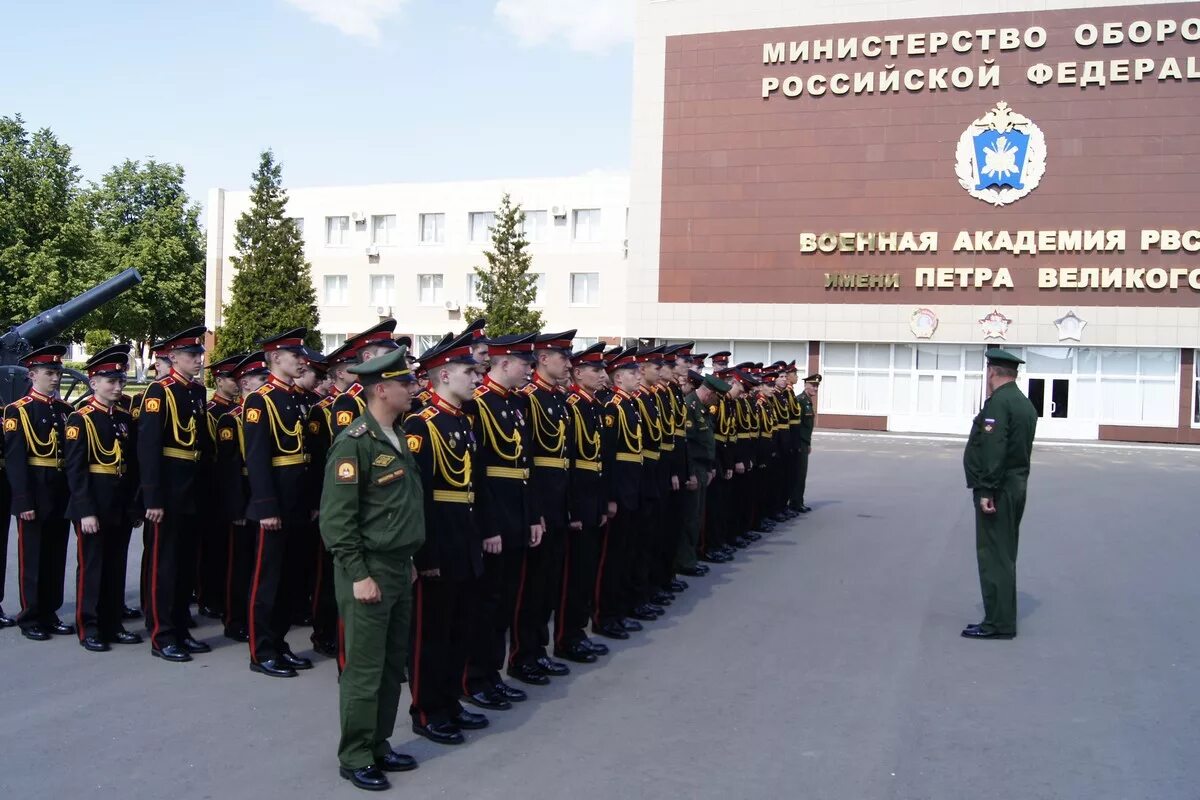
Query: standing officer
[
  {"x": 656, "y": 481},
  {"x": 101, "y": 472},
  {"x": 451, "y": 559},
  {"x": 996, "y": 462},
  {"x": 172, "y": 439},
  {"x": 372, "y": 522},
  {"x": 33, "y": 454},
  {"x": 700, "y": 428},
  {"x": 274, "y": 419},
  {"x": 213, "y": 555},
  {"x": 804, "y": 432}
]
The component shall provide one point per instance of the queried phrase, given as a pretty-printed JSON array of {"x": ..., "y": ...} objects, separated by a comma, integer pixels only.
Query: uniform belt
[
  {"x": 181, "y": 454},
  {"x": 652, "y": 455},
  {"x": 35, "y": 461},
  {"x": 634, "y": 458},
  {"x": 666, "y": 448},
  {"x": 245, "y": 471},
  {"x": 516, "y": 473},
  {"x": 547, "y": 461},
  {"x": 590, "y": 466},
  {"x": 106, "y": 469},
  {"x": 681, "y": 434},
  {"x": 451, "y": 496},
  {"x": 721, "y": 438},
  {"x": 299, "y": 459}
]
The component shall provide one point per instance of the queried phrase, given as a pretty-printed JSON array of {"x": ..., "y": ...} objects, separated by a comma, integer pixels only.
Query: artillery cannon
[{"x": 37, "y": 332}]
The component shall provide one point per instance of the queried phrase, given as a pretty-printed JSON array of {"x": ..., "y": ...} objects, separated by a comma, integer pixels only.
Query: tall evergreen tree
[
  {"x": 272, "y": 284},
  {"x": 505, "y": 286}
]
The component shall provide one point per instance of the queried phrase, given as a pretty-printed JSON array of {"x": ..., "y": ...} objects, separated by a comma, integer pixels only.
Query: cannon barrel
[{"x": 38, "y": 331}]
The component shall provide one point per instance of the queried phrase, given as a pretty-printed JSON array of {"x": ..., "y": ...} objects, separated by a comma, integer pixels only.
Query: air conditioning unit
[
  {"x": 559, "y": 212},
  {"x": 451, "y": 305},
  {"x": 372, "y": 249},
  {"x": 383, "y": 311},
  {"x": 358, "y": 216}
]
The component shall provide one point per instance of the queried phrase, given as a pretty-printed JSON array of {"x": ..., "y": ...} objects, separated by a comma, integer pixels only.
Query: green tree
[
  {"x": 144, "y": 219},
  {"x": 505, "y": 286},
  {"x": 272, "y": 283}
]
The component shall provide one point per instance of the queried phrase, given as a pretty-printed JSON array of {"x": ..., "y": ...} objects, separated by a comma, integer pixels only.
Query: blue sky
[{"x": 344, "y": 91}]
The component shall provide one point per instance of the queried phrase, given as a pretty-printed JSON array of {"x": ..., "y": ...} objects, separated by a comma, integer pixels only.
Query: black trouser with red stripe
[
  {"x": 240, "y": 545},
  {"x": 581, "y": 553},
  {"x": 277, "y": 567},
  {"x": 612, "y": 569},
  {"x": 212, "y": 545},
  {"x": 168, "y": 587},
  {"x": 100, "y": 579},
  {"x": 324, "y": 602},
  {"x": 497, "y": 594},
  {"x": 538, "y": 598},
  {"x": 443, "y": 614},
  {"x": 42, "y": 563},
  {"x": 643, "y": 547},
  {"x": 666, "y": 542}
]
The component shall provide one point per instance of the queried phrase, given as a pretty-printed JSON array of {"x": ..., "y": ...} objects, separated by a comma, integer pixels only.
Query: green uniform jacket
[
  {"x": 701, "y": 436},
  {"x": 1001, "y": 441},
  {"x": 372, "y": 502},
  {"x": 808, "y": 418}
]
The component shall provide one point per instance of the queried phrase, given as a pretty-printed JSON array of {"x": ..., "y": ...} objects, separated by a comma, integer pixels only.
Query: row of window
[
  {"x": 422, "y": 342},
  {"x": 584, "y": 289},
  {"x": 431, "y": 227}
]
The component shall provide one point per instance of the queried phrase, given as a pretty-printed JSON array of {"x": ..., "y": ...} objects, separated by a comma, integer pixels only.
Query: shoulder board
[
  {"x": 428, "y": 413},
  {"x": 264, "y": 389},
  {"x": 236, "y": 412},
  {"x": 354, "y": 390},
  {"x": 326, "y": 401},
  {"x": 355, "y": 431},
  {"x": 573, "y": 399},
  {"x": 84, "y": 411},
  {"x": 167, "y": 381},
  {"x": 528, "y": 389},
  {"x": 23, "y": 401},
  {"x": 480, "y": 391}
]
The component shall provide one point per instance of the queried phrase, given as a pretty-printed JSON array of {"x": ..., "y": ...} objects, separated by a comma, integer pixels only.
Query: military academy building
[{"x": 891, "y": 188}]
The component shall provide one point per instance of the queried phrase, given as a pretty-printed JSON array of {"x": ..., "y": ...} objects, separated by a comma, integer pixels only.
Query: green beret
[
  {"x": 1003, "y": 358},
  {"x": 390, "y": 367},
  {"x": 716, "y": 384}
]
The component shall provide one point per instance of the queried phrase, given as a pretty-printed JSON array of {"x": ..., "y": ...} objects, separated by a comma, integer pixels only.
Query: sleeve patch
[
  {"x": 10, "y": 425},
  {"x": 314, "y": 427},
  {"x": 609, "y": 420},
  {"x": 72, "y": 431},
  {"x": 152, "y": 405},
  {"x": 226, "y": 435},
  {"x": 344, "y": 418},
  {"x": 253, "y": 415},
  {"x": 345, "y": 471},
  {"x": 414, "y": 443}
]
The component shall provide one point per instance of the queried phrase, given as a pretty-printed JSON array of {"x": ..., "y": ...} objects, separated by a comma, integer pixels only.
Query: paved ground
[{"x": 826, "y": 663}]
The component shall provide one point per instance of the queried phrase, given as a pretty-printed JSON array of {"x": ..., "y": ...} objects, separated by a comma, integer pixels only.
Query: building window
[
  {"x": 583, "y": 343},
  {"x": 425, "y": 342},
  {"x": 429, "y": 290},
  {"x": 336, "y": 230},
  {"x": 337, "y": 290},
  {"x": 472, "y": 289},
  {"x": 299, "y": 222},
  {"x": 433, "y": 228},
  {"x": 480, "y": 224},
  {"x": 383, "y": 229},
  {"x": 1124, "y": 385},
  {"x": 539, "y": 289},
  {"x": 535, "y": 226},
  {"x": 585, "y": 288},
  {"x": 383, "y": 290},
  {"x": 333, "y": 341},
  {"x": 587, "y": 225},
  {"x": 941, "y": 380}
]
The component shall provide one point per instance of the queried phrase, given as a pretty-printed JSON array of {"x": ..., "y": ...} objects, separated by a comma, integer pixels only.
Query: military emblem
[
  {"x": 344, "y": 418},
  {"x": 72, "y": 432},
  {"x": 314, "y": 427},
  {"x": 923, "y": 323},
  {"x": 10, "y": 424},
  {"x": 989, "y": 425},
  {"x": 382, "y": 460},
  {"x": 995, "y": 325},
  {"x": 346, "y": 471},
  {"x": 226, "y": 435},
  {"x": 253, "y": 415},
  {"x": 1001, "y": 156},
  {"x": 152, "y": 405},
  {"x": 1070, "y": 327},
  {"x": 414, "y": 443}
]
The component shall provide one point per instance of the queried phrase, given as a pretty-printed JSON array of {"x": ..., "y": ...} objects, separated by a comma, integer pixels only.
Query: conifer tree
[{"x": 505, "y": 287}]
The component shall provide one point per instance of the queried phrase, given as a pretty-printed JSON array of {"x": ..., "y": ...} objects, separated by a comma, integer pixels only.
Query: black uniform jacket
[
  {"x": 501, "y": 464},
  {"x": 101, "y": 464},
  {"x": 172, "y": 439},
  {"x": 33, "y": 455},
  {"x": 273, "y": 418}
]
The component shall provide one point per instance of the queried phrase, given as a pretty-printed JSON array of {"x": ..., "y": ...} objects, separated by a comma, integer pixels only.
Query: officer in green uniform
[
  {"x": 804, "y": 432},
  {"x": 372, "y": 521},
  {"x": 700, "y": 430},
  {"x": 996, "y": 462}
]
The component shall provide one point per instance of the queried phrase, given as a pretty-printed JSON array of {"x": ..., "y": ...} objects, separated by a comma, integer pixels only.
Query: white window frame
[
  {"x": 344, "y": 291},
  {"x": 571, "y": 291},
  {"x": 344, "y": 238},
  {"x": 471, "y": 289},
  {"x": 595, "y": 220},
  {"x": 299, "y": 225},
  {"x": 390, "y": 300},
  {"x": 538, "y": 233},
  {"x": 424, "y": 341},
  {"x": 333, "y": 341},
  {"x": 474, "y": 218},
  {"x": 539, "y": 289},
  {"x": 437, "y": 291},
  {"x": 960, "y": 376},
  {"x": 391, "y": 240},
  {"x": 438, "y": 218}
]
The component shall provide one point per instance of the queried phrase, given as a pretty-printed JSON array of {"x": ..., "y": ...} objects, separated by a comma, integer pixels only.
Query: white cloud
[
  {"x": 591, "y": 26},
  {"x": 359, "y": 18}
]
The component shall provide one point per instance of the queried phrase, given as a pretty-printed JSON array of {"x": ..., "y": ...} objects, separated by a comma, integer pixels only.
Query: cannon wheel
[{"x": 73, "y": 388}]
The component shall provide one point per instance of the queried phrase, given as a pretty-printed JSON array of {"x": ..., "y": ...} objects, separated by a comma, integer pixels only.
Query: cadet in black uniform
[
  {"x": 646, "y": 540},
  {"x": 172, "y": 439},
  {"x": 33, "y": 455},
  {"x": 212, "y": 542},
  {"x": 347, "y": 406},
  {"x": 102, "y": 475},
  {"x": 451, "y": 559}
]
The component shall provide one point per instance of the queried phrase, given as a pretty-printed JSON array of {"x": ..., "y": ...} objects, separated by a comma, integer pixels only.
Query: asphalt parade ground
[{"x": 825, "y": 663}]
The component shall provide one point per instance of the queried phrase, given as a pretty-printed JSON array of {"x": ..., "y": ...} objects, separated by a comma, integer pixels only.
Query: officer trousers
[
  {"x": 240, "y": 545},
  {"x": 580, "y": 556},
  {"x": 100, "y": 579},
  {"x": 304, "y": 587},
  {"x": 324, "y": 607},
  {"x": 665, "y": 544},
  {"x": 612, "y": 579},
  {"x": 168, "y": 587},
  {"x": 996, "y": 538},
  {"x": 536, "y": 601},
  {"x": 741, "y": 515},
  {"x": 642, "y": 551},
  {"x": 212, "y": 560},
  {"x": 277, "y": 559},
  {"x": 42, "y": 565},
  {"x": 713, "y": 528},
  {"x": 496, "y": 601},
  {"x": 801, "y": 479},
  {"x": 693, "y": 522},
  {"x": 372, "y": 656},
  {"x": 442, "y": 621}
]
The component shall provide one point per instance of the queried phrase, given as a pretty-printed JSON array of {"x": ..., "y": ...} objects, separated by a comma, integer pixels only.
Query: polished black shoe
[
  {"x": 510, "y": 693},
  {"x": 60, "y": 628},
  {"x": 171, "y": 652},
  {"x": 529, "y": 673},
  {"x": 439, "y": 732},
  {"x": 632, "y": 625},
  {"x": 973, "y": 632},
  {"x": 599, "y": 648},
  {"x": 611, "y": 628},
  {"x": 741, "y": 542},
  {"x": 294, "y": 661},
  {"x": 488, "y": 699},
  {"x": 553, "y": 668},
  {"x": 643, "y": 613},
  {"x": 397, "y": 762},
  {"x": 753, "y": 537},
  {"x": 778, "y": 518},
  {"x": 195, "y": 645},
  {"x": 95, "y": 644},
  {"x": 125, "y": 637},
  {"x": 662, "y": 598},
  {"x": 577, "y": 652},
  {"x": 237, "y": 633},
  {"x": 655, "y": 609},
  {"x": 36, "y": 632},
  {"x": 469, "y": 720},
  {"x": 5, "y": 620},
  {"x": 369, "y": 777},
  {"x": 209, "y": 612},
  {"x": 273, "y": 668},
  {"x": 131, "y": 612},
  {"x": 325, "y": 648},
  {"x": 728, "y": 550},
  {"x": 710, "y": 558},
  {"x": 680, "y": 586},
  {"x": 804, "y": 509}
]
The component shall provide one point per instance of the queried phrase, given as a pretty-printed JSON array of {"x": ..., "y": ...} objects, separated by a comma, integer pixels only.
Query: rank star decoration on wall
[
  {"x": 995, "y": 325},
  {"x": 1001, "y": 156},
  {"x": 1070, "y": 327}
]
